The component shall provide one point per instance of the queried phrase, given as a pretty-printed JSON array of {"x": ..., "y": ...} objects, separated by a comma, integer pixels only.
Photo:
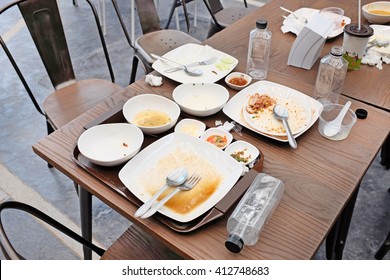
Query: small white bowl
[
  {"x": 200, "y": 99},
  {"x": 237, "y": 75},
  {"x": 110, "y": 144},
  {"x": 242, "y": 151},
  {"x": 375, "y": 17},
  {"x": 153, "y": 103},
  {"x": 190, "y": 126},
  {"x": 219, "y": 132}
]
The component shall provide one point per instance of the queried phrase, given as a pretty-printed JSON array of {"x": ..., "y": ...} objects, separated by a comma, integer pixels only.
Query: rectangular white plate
[
  {"x": 190, "y": 53},
  {"x": 146, "y": 166},
  {"x": 233, "y": 109}
]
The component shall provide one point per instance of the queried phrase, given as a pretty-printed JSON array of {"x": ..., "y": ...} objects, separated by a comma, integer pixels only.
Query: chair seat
[
  {"x": 229, "y": 15},
  {"x": 135, "y": 244},
  {"x": 69, "y": 102},
  {"x": 160, "y": 42}
]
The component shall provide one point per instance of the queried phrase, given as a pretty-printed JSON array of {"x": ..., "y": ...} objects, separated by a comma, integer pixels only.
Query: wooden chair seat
[
  {"x": 67, "y": 103},
  {"x": 135, "y": 244}
]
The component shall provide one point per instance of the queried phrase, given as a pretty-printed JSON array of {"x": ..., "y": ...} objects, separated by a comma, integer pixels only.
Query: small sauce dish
[
  {"x": 238, "y": 80},
  {"x": 242, "y": 151},
  {"x": 218, "y": 137},
  {"x": 190, "y": 126}
]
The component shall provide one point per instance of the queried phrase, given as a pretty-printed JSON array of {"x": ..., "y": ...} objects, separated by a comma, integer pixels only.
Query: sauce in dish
[
  {"x": 151, "y": 118},
  {"x": 380, "y": 12},
  {"x": 238, "y": 81}
]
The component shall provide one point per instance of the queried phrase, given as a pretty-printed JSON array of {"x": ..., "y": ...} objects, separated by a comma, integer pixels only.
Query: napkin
[{"x": 152, "y": 80}]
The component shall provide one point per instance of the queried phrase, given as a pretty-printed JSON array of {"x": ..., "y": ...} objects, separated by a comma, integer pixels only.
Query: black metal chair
[
  {"x": 70, "y": 97},
  {"x": 154, "y": 39},
  {"x": 222, "y": 17},
  {"x": 176, "y": 4},
  {"x": 133, "y": 244},
  {"x": 8, "y": 249}
]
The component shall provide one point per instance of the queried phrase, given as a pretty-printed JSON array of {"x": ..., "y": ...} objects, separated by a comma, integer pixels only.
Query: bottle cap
[
  {"x": 261, "y": 24},
  {"x": 361, "y": 113},
  {"x": 234, "y": 243}
]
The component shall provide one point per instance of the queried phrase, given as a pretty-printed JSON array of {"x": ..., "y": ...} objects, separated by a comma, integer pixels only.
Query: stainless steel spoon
[
  {"x": 189, "y": 71},
  {"x": 281, "y": 113},
  {"x": 203, "y": 62},
  {"x": 174, "y": 179}
]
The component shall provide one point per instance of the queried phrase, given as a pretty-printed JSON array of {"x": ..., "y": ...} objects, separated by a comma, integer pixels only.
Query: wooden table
[{"x": 321, "y": 176}]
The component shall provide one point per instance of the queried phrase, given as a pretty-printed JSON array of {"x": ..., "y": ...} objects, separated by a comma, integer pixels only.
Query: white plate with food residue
[
  {"x": 110, "y": 144},
  {"x": 145, "y": 174},
  {"x": 222, "y": 64}
]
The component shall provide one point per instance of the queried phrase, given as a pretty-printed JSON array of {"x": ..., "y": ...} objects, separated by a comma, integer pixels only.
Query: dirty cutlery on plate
[
  {"x": 175, "y": 178},
  {"x": 203, "y": 62},
  {"x": 187, "y": 185},
  {"x": 188, "y": 70},
  {"x": 281, "y": 113},
  {"x": 298, "y": 17}
]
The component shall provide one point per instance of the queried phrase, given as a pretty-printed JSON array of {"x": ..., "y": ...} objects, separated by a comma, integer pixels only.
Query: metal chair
[
  {"x": 71, "y": 97},
  {"x": 154, "y": 39},
  {"x": 222, "y": 17},
  {"x": 176, "y": 4},
  {"x": 133, "y": 244}
]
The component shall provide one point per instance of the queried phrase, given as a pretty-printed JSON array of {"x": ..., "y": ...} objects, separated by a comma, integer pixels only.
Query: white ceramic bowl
[
  {"x": 242, "y": 151},
  {"x": 110, "y": 144},
  {"x": 154, "y": 104},
  {"x": 368, "y": 12},
  {"x": 238, "y": 75},
  {"x": 190, "y": 126},
  {"x": 200, "y": 99},
  {"x": 219, "y": 132}
]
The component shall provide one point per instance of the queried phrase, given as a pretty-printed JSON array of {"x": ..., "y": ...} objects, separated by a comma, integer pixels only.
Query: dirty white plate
[
  {"x": 233, "y": 109},
  {"x": 144, "y": 174},
  {"x": 190, "y": 53},
  {"x": 290, "y": 24}
]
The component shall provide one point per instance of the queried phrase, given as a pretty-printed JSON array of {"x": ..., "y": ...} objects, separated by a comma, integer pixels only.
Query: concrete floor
[{"x": 24, "y": 176}]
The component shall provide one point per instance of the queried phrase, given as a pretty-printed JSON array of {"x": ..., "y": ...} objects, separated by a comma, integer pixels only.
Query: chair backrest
[
  {"x": 44, "y": 23},
  {"x": 214, "y": 6}
]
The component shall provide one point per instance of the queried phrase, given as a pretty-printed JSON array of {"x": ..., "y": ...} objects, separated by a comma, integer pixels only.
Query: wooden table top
[{"x": 319, "y": 176}]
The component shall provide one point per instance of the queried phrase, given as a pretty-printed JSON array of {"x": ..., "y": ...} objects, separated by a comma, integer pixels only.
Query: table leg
[
  {"x": 385, "y": 153},
  {"x": 86, "y": 219},
  {"x": 337, "y": 237}
]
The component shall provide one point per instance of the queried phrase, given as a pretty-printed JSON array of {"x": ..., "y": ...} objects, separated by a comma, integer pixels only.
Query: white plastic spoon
[{"x": 333, "y": 127}]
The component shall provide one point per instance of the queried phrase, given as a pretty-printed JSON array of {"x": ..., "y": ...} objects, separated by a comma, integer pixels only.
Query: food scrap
[
  {"x": 240, "y": 156},
  {"x": 258, "y": 102},
  {"x": 124, "y": 144},
  {"x": 217, "y": 140}
]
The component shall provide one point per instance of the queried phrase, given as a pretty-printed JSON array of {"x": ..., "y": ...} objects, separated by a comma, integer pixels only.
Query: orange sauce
[
  {"x": 186, "y": 201},
  {"x": 380, "y": 12},
  {"x": 238, "y": 81}
]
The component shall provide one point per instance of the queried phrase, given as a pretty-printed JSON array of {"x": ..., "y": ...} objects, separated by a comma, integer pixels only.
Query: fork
[
  {"x": 203, "y": 62},
  {"x": 187, "y": 185}
]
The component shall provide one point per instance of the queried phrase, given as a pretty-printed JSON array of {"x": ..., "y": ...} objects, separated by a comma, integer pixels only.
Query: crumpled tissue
[
  {"x": 152, "y": 80},
  {"x": 374, "y": 58}
]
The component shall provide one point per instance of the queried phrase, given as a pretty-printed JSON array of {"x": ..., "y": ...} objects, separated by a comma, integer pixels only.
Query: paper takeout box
[{"x": 308, "y": 45}]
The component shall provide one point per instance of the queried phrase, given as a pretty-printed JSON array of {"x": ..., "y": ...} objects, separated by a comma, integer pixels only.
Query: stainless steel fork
[{"x": 187, "y": 185}]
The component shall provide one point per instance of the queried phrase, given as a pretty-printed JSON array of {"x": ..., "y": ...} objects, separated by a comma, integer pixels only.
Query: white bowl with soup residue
[
  {"x": 200, "y": 99},
  {"x": 152, "y": 113}
]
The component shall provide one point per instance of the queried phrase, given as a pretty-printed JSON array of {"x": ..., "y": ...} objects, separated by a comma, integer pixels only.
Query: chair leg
[
  {"x": 171, "y": 14},
  {"x": 133, "y": 70},
  {"x": 384, "y": 249},
  {"x": 85, "y": 200},
  {"x": 50, "y": 129}
]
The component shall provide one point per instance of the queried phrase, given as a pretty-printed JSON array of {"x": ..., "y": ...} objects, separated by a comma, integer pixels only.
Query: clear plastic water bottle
[
  {"x": 330, "y": 77},
  {"x": 259, "y": 50},
  {"x": 252, "y": 212}
]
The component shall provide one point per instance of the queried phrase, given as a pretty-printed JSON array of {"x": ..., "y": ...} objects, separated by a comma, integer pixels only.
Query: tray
[{"x": 109, "y": 176}]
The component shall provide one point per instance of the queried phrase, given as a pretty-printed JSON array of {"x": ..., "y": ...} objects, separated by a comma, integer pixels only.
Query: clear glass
[
  {"x": 330, "y": 77},
  {"x": 254, "y": 209},
  {"x": 259, "y": 49}
]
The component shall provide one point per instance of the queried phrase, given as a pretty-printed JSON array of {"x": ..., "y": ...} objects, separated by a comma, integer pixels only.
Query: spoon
[
  {"x": 333, "y": 127},
  {"x": 174, "y": 179},
  {"x": 281, "y": 113},
  {"x": 189, "y": 71}
]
